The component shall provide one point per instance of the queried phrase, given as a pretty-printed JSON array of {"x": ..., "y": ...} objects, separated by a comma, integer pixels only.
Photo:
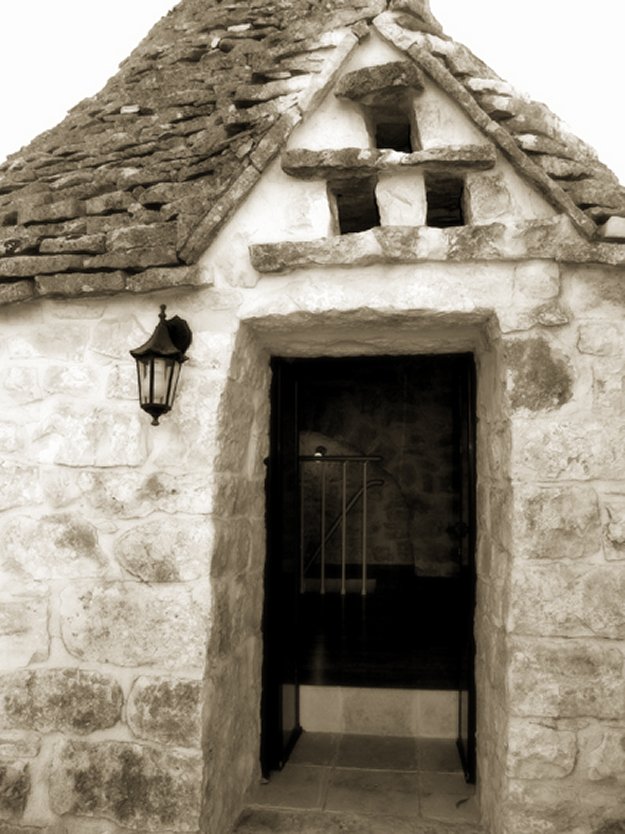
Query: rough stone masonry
[{"x": 132, "y": 559}]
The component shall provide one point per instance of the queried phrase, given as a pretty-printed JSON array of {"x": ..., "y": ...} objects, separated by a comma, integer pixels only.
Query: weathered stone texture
[
  {"x": 23, "y": 629},
  {"x": 53, "y": 547},
  {"x": 14, "y": 788},
  {"x": 613, "y": 518},
  {"x": 86, "y": 436},
  {"x": 17, "y": 744},
  {"x": 166, "y": 710},
  {"x": 568, "y": 449},
  {"x": 569, "y": 601},
  {"x": 557, "y": 523},
  {"x": 600, "y": 339},
  {"x": 138, "y": 787},
  {"x": 566, "y": 678},
  {"x": 537, "y": 751},
  {"x": 132, "y": 624},
  {"x": 127, "y": 494},
  {"x": 365, "y": 84},
  {"x": 59, "y": 699},
  {"x": 167, "y": 549},
  {"x": 607, "y": 761},
  {"x": 538, "y": 380}
]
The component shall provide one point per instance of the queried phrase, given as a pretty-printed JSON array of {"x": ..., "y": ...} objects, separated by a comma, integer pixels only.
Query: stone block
[
  {"x": 15, "y": 785},
  {"x": 16, "y": 744},
  {"x": 367, "y": 84},
  {"x": 167, "y": 549},
  {"x": 401, "y": 199},
  {"x": 567, "y": 449},
  {"x": 116, "y": 337},
  {"x": 132, "y": 624},
  {"x": 537, "y": 280},
  {"x": 80, "y": 283},
  {"x": 601, "y": 596},
  {"x": 128, "y": 494},
  {"x": 160, "y": 278},
  {"x": 90, "y": 244},
  {"x": 19, "y": 485},
  {"x": 166, "y": 710},
  {"x": 536, "y": 751},
  {"x": 566, "y": 679},
  {"x": 81, "y": 435},
  {"x": 487, "y": 198},
  {"x": 556, "y": 523},
  {"x": 545, "y": 601},
  {"x": 600, "y": 339},
  {"x": 140, "y": 788},
  {"x": 607, "y": 761},
  {"x": 563, "y": 600},
  {"x": 49, "y": 212},
  {"x": 142, "y": 236},
  {"x": 22, "y": 383},
  {"x": 24, "y": 635},
  {"x": 106, "y": 203},
  {"x": 13, "y": 291},
  {"x": 538, "y": 380},
  {"x": 53, "y": 547},
  {"x": 26, "y": 266},
  {"x": 122, "y": 383},
  {"x": 75, "y": 380},
  {"x": 49, "y": 700}
]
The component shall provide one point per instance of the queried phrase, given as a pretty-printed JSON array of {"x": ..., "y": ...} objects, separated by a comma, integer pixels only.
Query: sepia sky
[{"x": 54, "y": 53}]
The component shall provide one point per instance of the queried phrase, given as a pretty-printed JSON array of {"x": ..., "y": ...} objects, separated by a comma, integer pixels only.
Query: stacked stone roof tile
[{"x": 126, "y": 193}]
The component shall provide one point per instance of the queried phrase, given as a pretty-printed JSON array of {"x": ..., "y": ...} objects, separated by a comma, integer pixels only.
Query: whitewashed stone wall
[{"x": 132, "y": 557}]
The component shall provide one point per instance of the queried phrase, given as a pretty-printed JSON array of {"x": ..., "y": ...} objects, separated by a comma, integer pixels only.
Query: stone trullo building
[{"x": 405, "y": 283}]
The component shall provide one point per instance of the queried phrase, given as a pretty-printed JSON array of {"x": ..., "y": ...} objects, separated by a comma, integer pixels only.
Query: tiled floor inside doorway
[{"x": 415, "y": 779}]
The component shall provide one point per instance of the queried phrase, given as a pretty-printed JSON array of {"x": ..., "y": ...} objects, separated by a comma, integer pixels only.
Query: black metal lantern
[{"x": 159, "y": 362}]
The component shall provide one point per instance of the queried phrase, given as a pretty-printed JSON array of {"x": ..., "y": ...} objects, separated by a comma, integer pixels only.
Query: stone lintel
[
  {"x": 366, "y": 162},
  {"x": 548, "y": 239},
  {"x": 371, "y": 85}
]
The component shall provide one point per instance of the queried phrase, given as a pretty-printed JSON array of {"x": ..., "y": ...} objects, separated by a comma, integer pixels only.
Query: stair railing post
[
  {"x": 364, "y": 528},
  {"x": 343, "y": 527}
]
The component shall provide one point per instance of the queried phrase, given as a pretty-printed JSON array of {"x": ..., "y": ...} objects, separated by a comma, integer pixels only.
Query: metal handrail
[
  {"x": 337, "y": 521},
  {"x": 322, "y": 458}
]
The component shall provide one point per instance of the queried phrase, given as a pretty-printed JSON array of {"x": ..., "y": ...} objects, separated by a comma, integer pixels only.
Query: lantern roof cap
[{"x": 170, "y": 340}]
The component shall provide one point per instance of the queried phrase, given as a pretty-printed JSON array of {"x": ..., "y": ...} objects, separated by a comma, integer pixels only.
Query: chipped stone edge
[{"x": 392, "y": 32}]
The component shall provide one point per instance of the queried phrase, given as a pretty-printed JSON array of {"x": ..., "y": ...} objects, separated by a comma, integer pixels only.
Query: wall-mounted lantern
[{"x": 159, "y": 362}]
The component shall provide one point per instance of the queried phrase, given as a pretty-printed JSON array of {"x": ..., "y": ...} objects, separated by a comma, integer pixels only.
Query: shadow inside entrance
[{"x": 333, "y": 778}]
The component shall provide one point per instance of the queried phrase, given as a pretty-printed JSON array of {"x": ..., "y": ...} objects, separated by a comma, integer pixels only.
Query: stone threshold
[
  {"x": 548, "y": 239},
  {"x": 365, "y": 162},
  {"x": 263, "y": 821}
]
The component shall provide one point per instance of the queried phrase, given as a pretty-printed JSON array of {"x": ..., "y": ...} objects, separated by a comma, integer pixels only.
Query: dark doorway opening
[{"x": 370, "y": 577}]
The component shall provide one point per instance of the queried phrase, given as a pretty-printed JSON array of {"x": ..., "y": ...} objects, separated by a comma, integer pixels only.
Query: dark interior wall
[{"x": 402, "y": 409}]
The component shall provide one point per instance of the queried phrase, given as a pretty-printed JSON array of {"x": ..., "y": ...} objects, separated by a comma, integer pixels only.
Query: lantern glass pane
[
  {"x": 143, "y": 370},
  {"x": 175, "y": 376},
  {"x": 162, "y": 372}
]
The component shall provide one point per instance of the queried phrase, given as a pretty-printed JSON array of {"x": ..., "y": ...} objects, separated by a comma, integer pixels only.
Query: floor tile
[
  {"x": 315, "y": 749},
  {"x": 373, "y": 792},
  {"x": 297, "y": 786},
  {"x": 439, "y": 754},
  {"x": 377, "y": 753},
  {"x": 432, "y": 782},
  {"x": 450, "y": 808}
]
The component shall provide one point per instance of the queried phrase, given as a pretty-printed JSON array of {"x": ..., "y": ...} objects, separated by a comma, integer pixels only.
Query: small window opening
[
  {"x": 356, "y": 206},
  {"x": 392, "y": 129},
  {"x": 444, "y": 201}
]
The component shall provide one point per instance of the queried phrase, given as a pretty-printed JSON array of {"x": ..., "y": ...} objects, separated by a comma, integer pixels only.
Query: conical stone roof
[{"x": 130, "y": 188}]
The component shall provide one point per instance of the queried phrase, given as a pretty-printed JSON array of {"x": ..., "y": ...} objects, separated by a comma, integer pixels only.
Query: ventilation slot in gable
[
  {"x": 444, "y": 195},
  {"x": 356, "y": 206},
  {"x": 393, "y": 129}
]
